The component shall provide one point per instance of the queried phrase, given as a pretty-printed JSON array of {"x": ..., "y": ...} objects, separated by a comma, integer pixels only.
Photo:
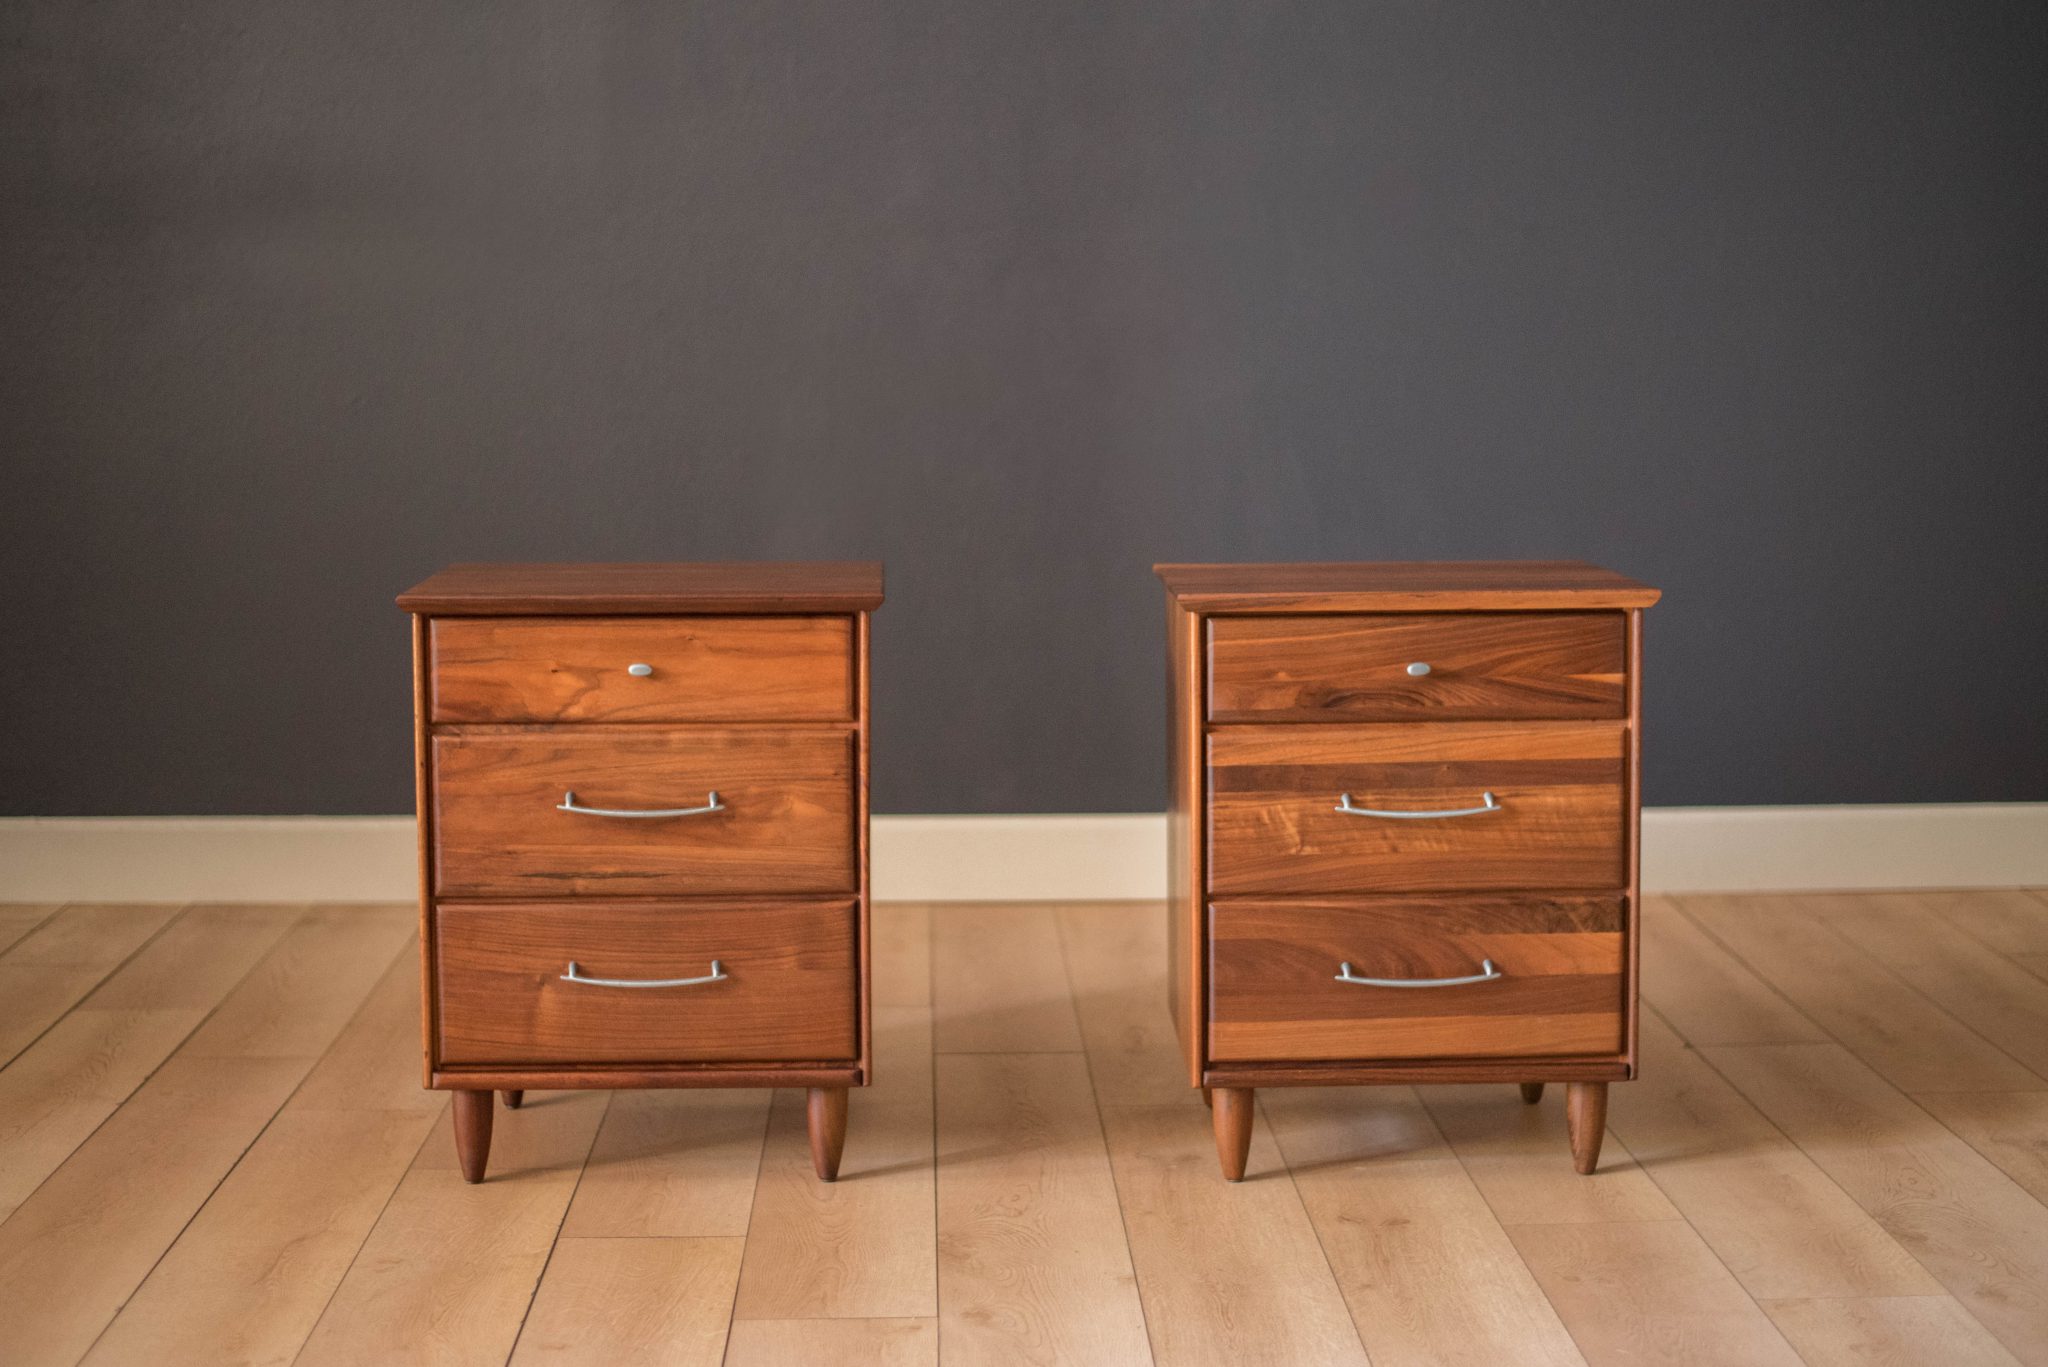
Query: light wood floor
[{"x": 214, "y": 1149}]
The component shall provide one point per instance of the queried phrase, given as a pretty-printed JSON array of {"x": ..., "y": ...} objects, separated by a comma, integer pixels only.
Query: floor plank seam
[
  {"x": 98, "y": 982},
  {"x": 1707, "y": 1059},
  {"x": 512, "y": 1348},
  {"x": 169, "y": 1054},
  {"x": 1102, "y": 1126},
  {"x": 1886, "y": 969}
]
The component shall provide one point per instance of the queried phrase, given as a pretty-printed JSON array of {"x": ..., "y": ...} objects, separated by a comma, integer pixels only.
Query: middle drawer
[
  {"x": 1417, "y": 806},
  {"x": 585, "y": 809}
]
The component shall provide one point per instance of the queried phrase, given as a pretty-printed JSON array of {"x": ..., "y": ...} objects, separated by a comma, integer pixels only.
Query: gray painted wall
[{"x": 300, "y": 299}]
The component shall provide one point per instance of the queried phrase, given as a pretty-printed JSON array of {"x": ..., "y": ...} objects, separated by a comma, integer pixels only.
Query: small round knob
[
  {"x": 642, "y": 671},
  {"x": 1418, "y": 669}
]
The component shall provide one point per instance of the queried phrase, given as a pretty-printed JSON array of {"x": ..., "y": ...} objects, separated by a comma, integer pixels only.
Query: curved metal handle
[
  {"x": 716, "y": 975},
  {"x": 570, "y": 804},
  {"x": 1345, "y": 805},
  {"x": 1487, "y": 973}
]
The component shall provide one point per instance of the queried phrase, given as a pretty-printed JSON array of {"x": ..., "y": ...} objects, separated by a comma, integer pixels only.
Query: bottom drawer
[
  {"x": 785, "y": 988},
  {"x": 1557, "y": 981}
]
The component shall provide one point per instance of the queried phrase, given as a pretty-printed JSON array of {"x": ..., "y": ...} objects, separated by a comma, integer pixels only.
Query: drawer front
[
  {"x": 1423, "y": 818},
  {"x": 553, "y": 669},
  {"x": 785, "y": 988},
  {"x": 785, "y": 820},
  {"x": 1553, "y": 976},
  {"x": 1417, "y": 667}
]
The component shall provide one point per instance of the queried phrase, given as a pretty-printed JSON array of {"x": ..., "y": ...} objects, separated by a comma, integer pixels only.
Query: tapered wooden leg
[
  {"x": 1208, "y": 1098},
  {"x": 1233, "y": 1120},
  {"x": 1585, "y": 1113},
  {"x": 473, "y": 1133},
  {"x": 1532, "y": 1092},
  {"x": 826, "y": 1118},
  {"x": 512, "y": 1099}
]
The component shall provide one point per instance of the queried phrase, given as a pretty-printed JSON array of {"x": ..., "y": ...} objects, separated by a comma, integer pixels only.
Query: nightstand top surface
[
  {"x": 731, "y": 586},
  {"x": 1403, "y": 586}
]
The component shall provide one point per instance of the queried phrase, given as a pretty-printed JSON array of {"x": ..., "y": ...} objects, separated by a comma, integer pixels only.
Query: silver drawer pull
[
  {"x": 639, "y": 671},
  {"x": 1346, "y": 806},
  {"x": 1418, "y": 669},
  {"x": 570, "y": 804},
  {"x": 1487, "y": 973},
  {"x": 716, "y": 975}
]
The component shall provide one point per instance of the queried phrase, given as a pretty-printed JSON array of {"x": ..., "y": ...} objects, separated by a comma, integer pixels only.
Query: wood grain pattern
[
  {"x": 248, "y": 1278},
  {"x": 1775, "y": 1219},
  {"x": 788, "y": 992},
  {"x": 1274, "y": 992},
  {"x": 1711, "y": 996},
  {"x": 788, "y": 824},
  {"x": 448, "y": 1271},
  {"x": 19, "y": 918},
  {"x": 864, "y": 1245},
  {"x": 1403, "y": 586},
  {"x": 1023, "y": 1171},
  {"x": 671, "y": 1164},
  {"x": 1481, "y": 666},
  {"x": 2009, "y": 1128},
  {"x": 1978, "y": 986},
  {"x": 1892, "y": 1331},
  {"x": 1915, "y": 1044},
  {"x": 898, "y": 1342},
  {"x": 547, "y": 669},
  {"x": 1649, "y": 1292},
  {"x": 1274, "y": 827},
  {"x": 999, "y": 981},
  {"x": 1511, "y": 1154},
  {"x": 670, "y": 1302},
  {"x": 1228, "y": 1274},
  {"x": 1970, "y": 1225},
  {"x": 1431, "y": 1278},
  {"x": 79, "y": 1246},
  {"x": 474, "y": 590},
  {"x": 48, "y": 972}
]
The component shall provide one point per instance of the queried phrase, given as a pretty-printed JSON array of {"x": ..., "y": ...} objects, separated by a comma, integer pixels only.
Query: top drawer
[
  {"x": 1485, "y": 666},
  {"x": 657, "y": 669}
]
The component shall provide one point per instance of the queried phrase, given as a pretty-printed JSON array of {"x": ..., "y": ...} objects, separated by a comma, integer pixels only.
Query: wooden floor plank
[
  {"x": 2009, "y": 920},
  {"x": 48, "y": 972},
  {"x": 672, "y": 1164},
  {"x": 249, "y": 1276},
  {"x": 1899, "y": 1331},
  {"x": 1033, "y": 1265},
  {"x": 1877, "y": 1015},
  {"x": 1981, "y": 1235},
  {"x": 999, "y": 981},
  {"x": 1116, "y": 961},
  {"x": 634, "y": 1302},
  {"x": 76, "y": 1248},
  {"x": 1228, "y": 1272},
  {"x": 2009, "y": 1128},
  {"x": 298, "y": 997},
  {"x": 449, "y": 1268},
  {"x": 1711, "y": 996},
  {"x": 834, "y": 1343},
  {"x": 1775, "y": 1220},
  {"x": 1979, "y": 986},
  {"x": 902, "y": 954},
  {"x": 19, "y": 918},
  {"x": 862, "y": 1246},
  {"x": 1429, "y": 1274},
  {"x": 1649, "y": 1292},
  {"x": 1521, "y": 1159},
  {"x": 62, "y": 1087},
  {"x": 374, "y": 1064}
]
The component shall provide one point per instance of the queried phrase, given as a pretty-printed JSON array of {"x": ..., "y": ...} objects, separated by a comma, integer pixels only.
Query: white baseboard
[{"x": 1012, "y": 858}]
